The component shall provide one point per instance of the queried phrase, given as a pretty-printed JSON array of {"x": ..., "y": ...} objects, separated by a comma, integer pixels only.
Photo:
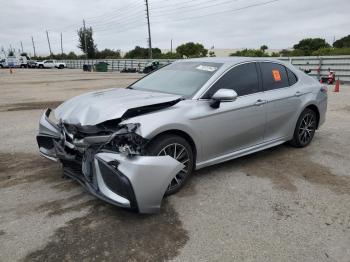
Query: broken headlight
[
  {"x": 127, "y": 141},
  {"x": 52, "y": 117}
]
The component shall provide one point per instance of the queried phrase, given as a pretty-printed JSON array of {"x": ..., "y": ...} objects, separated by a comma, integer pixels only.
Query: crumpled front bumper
[{"x": 137, "y": 182}]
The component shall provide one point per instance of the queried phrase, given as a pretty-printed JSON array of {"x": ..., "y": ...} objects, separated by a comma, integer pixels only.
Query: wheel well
[
  {"x": 315, "y": 109},
  {"x": 183, "y": 135}
]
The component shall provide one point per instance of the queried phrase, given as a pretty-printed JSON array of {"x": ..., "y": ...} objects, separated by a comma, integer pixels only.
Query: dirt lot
[{"x": 282, "y": 204}]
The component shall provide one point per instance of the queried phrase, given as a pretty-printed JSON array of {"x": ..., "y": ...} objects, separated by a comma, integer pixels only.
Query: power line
[
  {"x": 222, "y": 12},
  {"x": 191, "y": 5},
  {"x": 107, "y": 24},
  {"x": 107, "y": 15}
]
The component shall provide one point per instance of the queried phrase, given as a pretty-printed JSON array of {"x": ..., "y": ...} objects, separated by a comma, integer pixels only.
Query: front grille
[{"x": 73, "y": 166}]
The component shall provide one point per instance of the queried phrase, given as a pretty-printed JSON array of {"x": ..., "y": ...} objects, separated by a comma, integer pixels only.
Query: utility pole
[
  {"x": 85, "y": 47},
  {"x": 33, "y": 46},
  {"x": 149, "y": 32},
  {"x": 171, "y": 46},
  {"x": 61, "y": 45},
  {"x": 48, "y": 40},
  {"x": 22, "y": 46}
]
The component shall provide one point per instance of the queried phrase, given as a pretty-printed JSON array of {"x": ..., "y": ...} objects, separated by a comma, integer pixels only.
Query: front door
[{"x": 234, "y": 125}]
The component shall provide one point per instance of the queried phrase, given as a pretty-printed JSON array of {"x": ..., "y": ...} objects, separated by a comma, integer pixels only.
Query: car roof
[{"x": 232, "y": 60}]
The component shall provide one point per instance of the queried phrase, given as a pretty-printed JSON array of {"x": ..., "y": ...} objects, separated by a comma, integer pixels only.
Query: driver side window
[{"x": 243, "y": 79}]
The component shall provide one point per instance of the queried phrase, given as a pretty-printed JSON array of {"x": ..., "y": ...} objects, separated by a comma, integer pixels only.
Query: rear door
[{"x": 283, "y": 99}]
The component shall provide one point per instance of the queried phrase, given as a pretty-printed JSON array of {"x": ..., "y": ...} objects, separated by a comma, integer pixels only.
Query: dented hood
[{"x": 96, "y": 107}]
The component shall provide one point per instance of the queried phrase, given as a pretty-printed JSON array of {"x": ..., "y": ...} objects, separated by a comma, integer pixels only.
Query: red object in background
[
  {"x": 337, "y": 86},
  {"x": 331, "y": 77}
]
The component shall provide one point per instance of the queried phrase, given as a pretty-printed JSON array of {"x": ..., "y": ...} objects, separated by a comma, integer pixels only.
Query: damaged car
[{"x": 133, "y": 146}]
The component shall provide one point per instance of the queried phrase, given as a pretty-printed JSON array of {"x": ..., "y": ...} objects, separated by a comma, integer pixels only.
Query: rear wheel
[
  {"x": 179, "y": 149},
  {"x": 305, "y": 128},
  {"x": 41, "y": 66},
  {"x": 61, "y": 66}
]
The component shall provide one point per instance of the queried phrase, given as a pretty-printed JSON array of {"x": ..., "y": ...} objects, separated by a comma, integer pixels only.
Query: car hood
[{"x": 97, "y": 107}]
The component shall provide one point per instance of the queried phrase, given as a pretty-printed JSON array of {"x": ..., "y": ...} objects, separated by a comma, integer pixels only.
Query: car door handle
[
  {"x": 298, "y": 93},
  {"x": 260, "y": 102}
]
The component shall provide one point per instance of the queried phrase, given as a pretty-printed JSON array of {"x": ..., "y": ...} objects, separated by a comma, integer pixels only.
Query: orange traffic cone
[{"x": 337, "y": 86}]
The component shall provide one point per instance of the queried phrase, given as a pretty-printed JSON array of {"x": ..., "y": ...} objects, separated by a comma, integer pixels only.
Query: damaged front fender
[
  {"x": 112, "y": 167},
  {"x": 48, "y": 133},
  {"x": 148, "y": 175}
]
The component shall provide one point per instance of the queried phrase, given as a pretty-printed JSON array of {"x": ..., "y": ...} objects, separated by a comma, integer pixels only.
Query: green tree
[
  {"x": 191, "y": 49},
  {"x": 170, "y": 55},
  {"x": 72, "y": 55},
  {"x": 309, "y": 45},
  {"x": 332, "y": 51},
  {"x": 249, "y": 53},
  {"x": 91, "y": 48},
  {"x": 212, "y": 54},
  {"x": 108, "y": 54},
  {"x": 342, "y": 42},
  {"x": 142, "y": 53},
  {"x": 264, "y": 48}
]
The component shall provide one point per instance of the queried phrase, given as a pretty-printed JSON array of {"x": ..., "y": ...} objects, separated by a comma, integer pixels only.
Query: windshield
[{"x": 181, "y": 78}]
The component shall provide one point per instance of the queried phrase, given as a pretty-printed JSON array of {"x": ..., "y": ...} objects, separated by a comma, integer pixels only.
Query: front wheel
[
  {"x": 179, "y": 149},
  {"x": 304, "y": 129}
]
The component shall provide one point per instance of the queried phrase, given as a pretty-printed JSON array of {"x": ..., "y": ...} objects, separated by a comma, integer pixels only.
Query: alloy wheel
[
  {"x": 180, "y": 153},
  {"x": 307, "y": 129}
]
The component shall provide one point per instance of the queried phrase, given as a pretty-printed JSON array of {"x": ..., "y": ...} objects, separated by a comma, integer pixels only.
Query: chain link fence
[{"x": 319, "y": 66}]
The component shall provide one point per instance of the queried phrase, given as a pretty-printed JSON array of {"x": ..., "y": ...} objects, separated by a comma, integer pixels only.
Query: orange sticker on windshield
[{"x": 276, "y": 75}]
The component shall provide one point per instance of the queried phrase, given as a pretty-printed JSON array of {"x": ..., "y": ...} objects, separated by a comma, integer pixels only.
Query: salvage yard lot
[{"x": 282, "y": 204}]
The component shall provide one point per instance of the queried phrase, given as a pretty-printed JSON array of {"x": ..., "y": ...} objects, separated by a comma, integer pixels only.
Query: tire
[
  {"x": 41, "y": 66},
  {"x": 60, "y": 66},
  {"x": 165, "y": 145},
  {"x": 305, "y": 129}
]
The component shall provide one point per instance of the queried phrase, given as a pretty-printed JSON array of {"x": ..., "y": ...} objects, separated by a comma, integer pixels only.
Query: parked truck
[
  {"x": 14, "y": 61},
  {"x": 51, "y": 64}
]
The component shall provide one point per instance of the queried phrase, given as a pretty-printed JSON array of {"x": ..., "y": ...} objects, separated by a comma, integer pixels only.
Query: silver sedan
[{"x": 132, "y": 146}]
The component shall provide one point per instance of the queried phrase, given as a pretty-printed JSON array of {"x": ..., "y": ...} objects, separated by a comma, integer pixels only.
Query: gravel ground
[{"x": 282, "y": 204}]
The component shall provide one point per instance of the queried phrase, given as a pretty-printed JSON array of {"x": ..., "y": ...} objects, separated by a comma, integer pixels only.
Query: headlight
[
  {"x": 52, "y": 118},
  {"x": 126, "y": 141}
]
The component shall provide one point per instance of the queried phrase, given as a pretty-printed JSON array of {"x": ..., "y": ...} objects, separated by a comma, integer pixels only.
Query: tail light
[{"x": 324, "y": 89}]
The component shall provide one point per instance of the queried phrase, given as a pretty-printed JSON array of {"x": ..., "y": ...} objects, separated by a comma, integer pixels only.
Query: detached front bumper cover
[{"x": 135, "y": 182}]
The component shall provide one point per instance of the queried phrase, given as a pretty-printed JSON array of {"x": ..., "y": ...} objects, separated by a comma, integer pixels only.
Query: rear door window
[
  {"x": 291, "y": 77},
  {"x": 274, "y": 76},
  {"x": 243, "y": 79}
]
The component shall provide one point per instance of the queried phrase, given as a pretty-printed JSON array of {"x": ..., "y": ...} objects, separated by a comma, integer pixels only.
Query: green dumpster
[{"x": 101, "y": 67}]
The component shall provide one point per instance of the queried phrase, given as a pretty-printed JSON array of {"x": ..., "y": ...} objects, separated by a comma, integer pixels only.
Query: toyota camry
[{"x": 132, "y": 146}]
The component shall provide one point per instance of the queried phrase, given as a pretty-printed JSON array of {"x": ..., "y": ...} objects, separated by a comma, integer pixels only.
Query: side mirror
[{"x": 223, "y": 95}]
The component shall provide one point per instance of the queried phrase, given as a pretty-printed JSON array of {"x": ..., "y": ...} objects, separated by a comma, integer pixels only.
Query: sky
[{"x": 122, "y": 25}]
